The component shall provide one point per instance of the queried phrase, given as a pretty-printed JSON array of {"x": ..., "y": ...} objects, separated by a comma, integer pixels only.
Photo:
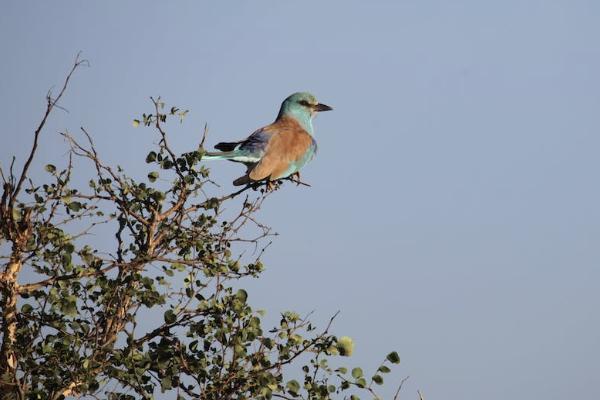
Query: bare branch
[
  {"x": 397, "y": 395},
  {"x": 51, "y": 103},
  {"x": 204, "y": 135}
]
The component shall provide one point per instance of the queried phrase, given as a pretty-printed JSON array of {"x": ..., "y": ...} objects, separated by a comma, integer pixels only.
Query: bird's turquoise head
[{"x": 302, "y": 106}]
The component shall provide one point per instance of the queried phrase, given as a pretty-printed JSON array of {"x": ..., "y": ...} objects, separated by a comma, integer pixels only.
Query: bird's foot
[
  {"x": 295, "y": 177},
  {"x": 272, "y": 186}
]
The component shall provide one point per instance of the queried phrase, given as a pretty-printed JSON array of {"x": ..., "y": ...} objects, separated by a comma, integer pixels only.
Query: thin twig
[
  {"x": 51, "y": 103},
  {"x": 204, "y": 135},
  {"x": 397, "y": 395}
]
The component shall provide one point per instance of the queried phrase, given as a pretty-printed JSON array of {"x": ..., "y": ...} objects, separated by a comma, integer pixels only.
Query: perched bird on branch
[{"x": 278, "y": 150}]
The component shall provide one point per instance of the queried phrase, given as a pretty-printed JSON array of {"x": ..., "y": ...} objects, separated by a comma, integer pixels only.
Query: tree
[{"x": 78, "y": 325}]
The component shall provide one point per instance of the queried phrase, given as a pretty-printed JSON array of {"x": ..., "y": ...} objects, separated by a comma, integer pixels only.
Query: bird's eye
[{"x": 304, "y": 103}]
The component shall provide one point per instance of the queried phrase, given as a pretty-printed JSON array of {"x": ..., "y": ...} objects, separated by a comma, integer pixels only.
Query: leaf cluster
[{"x": 79, "y": 315}]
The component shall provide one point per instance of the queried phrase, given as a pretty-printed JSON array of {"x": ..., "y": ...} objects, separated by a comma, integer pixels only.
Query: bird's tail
[
  {"x": 218, "y": 155},
  {"x": 226, "y": 146},
  {"x": 242, "y": 180},
  {"x": 227, "y": 151}
]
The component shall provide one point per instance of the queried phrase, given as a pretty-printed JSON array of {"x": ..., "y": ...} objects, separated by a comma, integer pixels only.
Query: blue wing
[
  {"x": 248, "y": 151},
  {"x": 255, "y": 144}
]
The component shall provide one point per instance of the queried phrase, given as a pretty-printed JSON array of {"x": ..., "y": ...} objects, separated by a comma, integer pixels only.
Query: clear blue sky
[{"x": 455, "y": 207}]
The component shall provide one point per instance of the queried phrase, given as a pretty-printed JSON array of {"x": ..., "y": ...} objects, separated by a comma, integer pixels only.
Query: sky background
[{"x": 454, "y": 213}]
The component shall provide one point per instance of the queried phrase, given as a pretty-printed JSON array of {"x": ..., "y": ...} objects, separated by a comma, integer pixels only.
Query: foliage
[{"x": 75, "y": 316}]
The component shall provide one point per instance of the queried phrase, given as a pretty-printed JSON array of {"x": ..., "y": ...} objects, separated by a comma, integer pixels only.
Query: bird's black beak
[{"x": 322, "y": 107}]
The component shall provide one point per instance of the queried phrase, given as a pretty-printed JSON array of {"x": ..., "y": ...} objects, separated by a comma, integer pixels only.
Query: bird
[{"x": 280, "y": 149}]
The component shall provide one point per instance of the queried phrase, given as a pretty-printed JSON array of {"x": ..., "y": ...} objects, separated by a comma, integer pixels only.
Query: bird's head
[{"x": 302, "y": 105}]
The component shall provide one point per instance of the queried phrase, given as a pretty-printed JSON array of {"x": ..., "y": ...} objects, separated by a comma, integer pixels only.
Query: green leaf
[
  {"x": 178, "y": 266},
  {"x": 345, "y": 346},
  {"x": 393, "y": 357},
  {"x": 46, "y": 348},
  {"x": 166, "y": 164},
  {"x": 26, "y": 309},
  {"x": 151, "y": 157},
  {"x": 357, "y": 373},
  {"x": 69, "y": 305},
  {"x": 354, "y": 397},
  {"x": 242, "y": 295},
  {"x": 75, "y": 206},
  {"x": 378, "y": 379},
  {"x": 293, "y": 387},
  {"x": 166, "y": 383},
  {"x": 384, "y": 369},
  {"x": 170, "y": 317},
  {"x": 50, "y": 168},
  {"x": 152, "y": 176},
  {"x": 362, "y": 382}
]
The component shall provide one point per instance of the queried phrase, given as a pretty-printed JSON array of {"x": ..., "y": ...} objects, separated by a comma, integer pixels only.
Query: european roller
[{"x": 278, "y": 150}]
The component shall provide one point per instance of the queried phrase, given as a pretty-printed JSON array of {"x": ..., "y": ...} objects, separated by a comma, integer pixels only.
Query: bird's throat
[{"x": 304, "y": 119}]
